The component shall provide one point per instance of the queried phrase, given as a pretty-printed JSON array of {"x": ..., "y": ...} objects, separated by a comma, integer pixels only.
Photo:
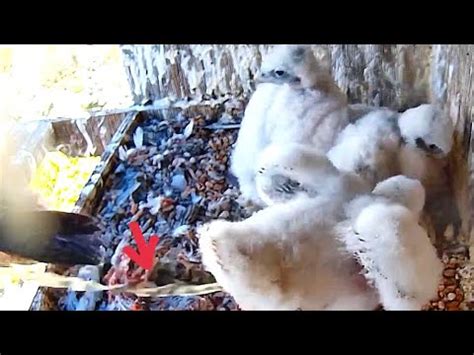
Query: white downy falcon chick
[
  {"x": 415, "y": 143},
  {"x": 293, "y": 170},
  {"x": 356, "y": 111},
  {"x": 286, "y": 257},
  {"x": 299, "y": 255},
  {"x": 296, "y": 101},
  {"x": 383, "y": 233},
  {"x": 431, "y": 131},
  {"x": 384, "y": 143},
  {"x": 369, "y": 147}
]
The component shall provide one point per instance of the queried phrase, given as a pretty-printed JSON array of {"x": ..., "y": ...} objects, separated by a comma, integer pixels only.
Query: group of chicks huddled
[{"x": 339, "y": 191}]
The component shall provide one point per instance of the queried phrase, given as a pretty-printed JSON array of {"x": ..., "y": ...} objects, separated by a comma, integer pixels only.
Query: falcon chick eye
[
  {"x": 420, "y": 143},
  {"x": 279, "y": 73},
  {"x": 435, "y": 149}
]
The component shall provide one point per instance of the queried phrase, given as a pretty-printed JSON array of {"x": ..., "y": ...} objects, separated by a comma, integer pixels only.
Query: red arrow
[{"x": 146, "y": 252}]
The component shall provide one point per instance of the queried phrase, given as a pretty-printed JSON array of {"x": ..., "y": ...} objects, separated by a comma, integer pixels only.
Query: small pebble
[
  {"x": 451, "y": 288},
  {"x": 225, "y": 206},
  {"x": 178, "y": 182},
  {"x": 224, "y": 215},
  {"x": 449, "y": 232},
  {"x": 209, "y": 185},
  {"x": 452, "y": 306},
  {"x": 449, "y": 281},
  {"x": 449, "y": 272}
]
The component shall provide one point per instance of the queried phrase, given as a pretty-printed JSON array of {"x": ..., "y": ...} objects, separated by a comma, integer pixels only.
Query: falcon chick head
[
  {"x": 428, "y": 128},
  {"x": 294, "y": 65},
  {"x": 409, "y": 192}
]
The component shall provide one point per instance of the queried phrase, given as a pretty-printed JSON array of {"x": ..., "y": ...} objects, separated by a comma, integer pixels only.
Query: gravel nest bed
[
  {"x": 456, "y": 289},
  {"x": 171, "y": 178}
]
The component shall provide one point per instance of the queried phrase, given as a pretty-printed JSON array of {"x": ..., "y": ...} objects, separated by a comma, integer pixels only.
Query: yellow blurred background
[
  {"x": 67, "y": 81},
  {"x": 61, "y": 80}
]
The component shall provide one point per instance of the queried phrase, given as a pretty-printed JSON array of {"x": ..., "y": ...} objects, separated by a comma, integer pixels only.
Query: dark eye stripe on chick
[{"x": 432, "y": 148}]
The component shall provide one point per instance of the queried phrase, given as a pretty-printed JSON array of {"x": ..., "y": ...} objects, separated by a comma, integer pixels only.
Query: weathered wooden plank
[
  {"x": 181, "y": 70},
  {"x": 91, "y": 193},
  {"x": 86, "y": 136},
  {"x": 396, "y": 76},
  {"x": 453, "y": 76}
]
